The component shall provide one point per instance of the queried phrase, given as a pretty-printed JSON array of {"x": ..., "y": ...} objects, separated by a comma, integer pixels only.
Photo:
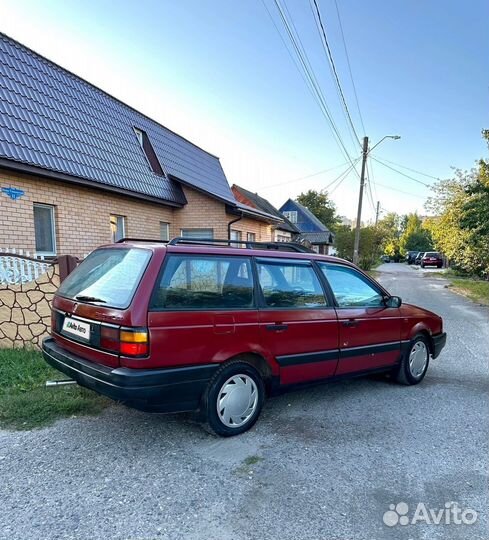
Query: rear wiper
[{"x": 83, "y": 298}]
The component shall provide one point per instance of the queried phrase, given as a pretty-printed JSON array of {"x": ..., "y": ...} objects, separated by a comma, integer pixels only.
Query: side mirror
[{"x": 392, "y": 301}]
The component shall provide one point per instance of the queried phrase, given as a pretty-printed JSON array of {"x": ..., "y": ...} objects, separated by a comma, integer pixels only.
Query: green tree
[
  {"x": 321, "y": 206},
  {"x": 415, "y": 237},
  {"x": 371, "y": 242},
  {"x": 390, "y": 229}
]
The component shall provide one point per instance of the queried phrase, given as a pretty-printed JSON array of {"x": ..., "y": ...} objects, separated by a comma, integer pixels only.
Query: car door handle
[
  {"x": 277, "y": 327},
  {"x": 351, "y": 323}
]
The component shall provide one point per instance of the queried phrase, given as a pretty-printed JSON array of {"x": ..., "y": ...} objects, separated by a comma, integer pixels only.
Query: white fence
[{"x": 16, "y": 270}]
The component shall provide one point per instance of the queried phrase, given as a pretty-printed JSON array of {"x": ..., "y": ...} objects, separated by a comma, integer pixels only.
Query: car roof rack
[
  {"x": 277, "y": 246},
  {"x": 151, "y": 240}
]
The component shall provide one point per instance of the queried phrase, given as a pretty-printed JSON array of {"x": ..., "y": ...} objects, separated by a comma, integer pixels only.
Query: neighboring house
[
  {"x": 283, "y": 230},
  {"x": 79, "y": 168},
  {"x": 310, "y": 228}
]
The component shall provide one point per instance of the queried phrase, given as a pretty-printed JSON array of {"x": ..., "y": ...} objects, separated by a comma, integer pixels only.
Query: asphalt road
[{"x": 323, "y": 463}]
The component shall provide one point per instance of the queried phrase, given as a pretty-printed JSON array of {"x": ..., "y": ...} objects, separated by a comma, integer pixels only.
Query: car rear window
[
  {"x": 432, "y": 254},
  {"x": 108, "y": 277},
  {"x": 204, "y": 282}
]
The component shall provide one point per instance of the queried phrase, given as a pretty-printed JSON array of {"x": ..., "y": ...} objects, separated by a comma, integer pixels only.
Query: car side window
[
  {"x": 289, "y": 284},
  {"x": 350, "y": 287},
  {"x": 205, "y": 282}
]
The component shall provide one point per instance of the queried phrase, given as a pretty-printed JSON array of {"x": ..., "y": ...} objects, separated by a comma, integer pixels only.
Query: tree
[
  {"x": 371, "y": 242},
  {"x": 321, "y": 206},
  {"x": 390, "y": 230},
  {"x": 460, "y": 227},
  {"x": 415, "y": 237}
]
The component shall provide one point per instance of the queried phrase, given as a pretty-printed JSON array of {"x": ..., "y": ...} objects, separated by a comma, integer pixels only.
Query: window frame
[
  {"x": 167, "y": 225},
  {"x": 112, "y": 237},
  {"x": 166, "y": 261},
  {"x": 196, "y": 229},
  {"x": 366, "y": 277},
  {"x": 52, "y": 212},
  {"x": 327, "y": 293}
]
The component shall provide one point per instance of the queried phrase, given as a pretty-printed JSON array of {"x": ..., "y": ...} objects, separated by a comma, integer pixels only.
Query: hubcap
[
  {"x": 418, "y": 358},
  {"x": 237, "y": 400}
]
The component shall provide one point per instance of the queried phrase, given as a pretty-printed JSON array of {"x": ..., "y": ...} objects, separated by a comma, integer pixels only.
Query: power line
[
  {"x": 341, "y": 177},
  {"x": 409, "y": 169},
  {"x": 329, "y": 54},
  {"x": 304, "y": 177},
  {"x": 349, "y": 67},
  {"x": 310, "y": 78},
  {"x": 400, "y": 191},
  {"x": 401, "y": 173}
]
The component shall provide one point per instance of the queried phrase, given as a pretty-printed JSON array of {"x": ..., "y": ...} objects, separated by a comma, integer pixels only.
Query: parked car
[
  {"x": 385, "y": 258},
  {"x": 419, "y": 256},
  {"x": 432, "y": 258},
  {"x": 411, "y": 256},
  {"x": 190, "y": 326}
]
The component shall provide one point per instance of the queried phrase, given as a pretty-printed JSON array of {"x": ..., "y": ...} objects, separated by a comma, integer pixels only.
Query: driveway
[{"x": 323, "y": 463}]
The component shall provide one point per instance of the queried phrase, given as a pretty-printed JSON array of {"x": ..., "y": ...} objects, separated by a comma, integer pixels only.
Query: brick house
[
  {"x": 283, "y": 230},
  {"x": 79, "y": 168}
]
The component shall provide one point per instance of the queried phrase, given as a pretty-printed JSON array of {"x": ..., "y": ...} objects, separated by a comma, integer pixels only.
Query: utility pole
[
  {"x": 360, "y": 201},
  {"x": 377, "y": 213}
]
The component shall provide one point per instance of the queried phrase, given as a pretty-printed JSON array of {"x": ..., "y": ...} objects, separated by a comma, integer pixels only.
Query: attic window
[
  {"x": 291, "y": 215},
  {"x": 149, "y": 151}
]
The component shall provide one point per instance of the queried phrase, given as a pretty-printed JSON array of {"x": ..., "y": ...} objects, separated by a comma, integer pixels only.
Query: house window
[
  {"x": 44, "y": 229},
  {"x": 251, "y": 237},
  {"x": 149, "y": 151},
  {"x": 117, "y": 227},
  {"x": 235, "y": 235},
  {"x": 291, "y": 215},
  {"x": 282, "y": 238},
  {"x": 197, "y": 233},
  {"x": 164, "y": 231}
]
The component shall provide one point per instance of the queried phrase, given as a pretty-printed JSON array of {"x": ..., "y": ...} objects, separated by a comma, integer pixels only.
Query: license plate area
[{"x": 77, "y": 330}]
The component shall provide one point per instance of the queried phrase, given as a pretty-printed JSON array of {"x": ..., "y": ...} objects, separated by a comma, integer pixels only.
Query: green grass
[
  {"x": 476, "y": 290},
  {"x": 374, "y": 274},
  {"x": 25, "y": 402}
]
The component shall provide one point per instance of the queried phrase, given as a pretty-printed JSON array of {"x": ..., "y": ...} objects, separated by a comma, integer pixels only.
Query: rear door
[
  {"x": 298, "y": 324},
  {"x": 369, "y": 332},
  {"x": 202, "y": 310}
]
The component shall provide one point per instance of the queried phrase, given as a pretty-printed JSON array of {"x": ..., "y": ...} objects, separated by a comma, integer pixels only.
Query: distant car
[
  {"x": 419, "y": 256},
  {"x": 431, "y": 258},
  {"x": 385, "y": 258},
  {"x": 411, "y": 256}
]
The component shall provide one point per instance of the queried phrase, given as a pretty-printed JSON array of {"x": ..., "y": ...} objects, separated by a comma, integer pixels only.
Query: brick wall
[{"x": 83, "y": 215}]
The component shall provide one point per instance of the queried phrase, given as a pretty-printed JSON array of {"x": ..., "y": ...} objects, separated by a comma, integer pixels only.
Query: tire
[
  {"x": 245, "y": 382},
  {"x": 439, "y": 265},
  {"x": 422, "y": 265},
  {"x": 415, "y": 362}
]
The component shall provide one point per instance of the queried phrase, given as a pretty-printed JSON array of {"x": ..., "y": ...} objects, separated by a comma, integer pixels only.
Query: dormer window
[
  {"x": 149, "y": 151},
  {"x": 291, "y": 215}
]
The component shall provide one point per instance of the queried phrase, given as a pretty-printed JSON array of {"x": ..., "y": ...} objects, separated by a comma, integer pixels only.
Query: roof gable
[
  {"x": 55, "y": 120},
  {"x": 306, "y": 220}
]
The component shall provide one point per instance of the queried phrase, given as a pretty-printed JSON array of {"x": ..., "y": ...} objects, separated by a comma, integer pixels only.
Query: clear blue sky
[{"x": 217, "y": 72}]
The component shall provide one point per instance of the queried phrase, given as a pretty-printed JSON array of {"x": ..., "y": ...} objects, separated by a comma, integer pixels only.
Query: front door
[
  {"x": 298, "y": 325},
  {"x": 369, "y": 332}
]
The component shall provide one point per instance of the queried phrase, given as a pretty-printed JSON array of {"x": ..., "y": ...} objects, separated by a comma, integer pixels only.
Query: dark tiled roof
[
  {"x": 325, "y": 237},
  {"x": 262, "y": 204},
  {"x": 312, "y": 217},
  {"x": 52, "y": 119}
]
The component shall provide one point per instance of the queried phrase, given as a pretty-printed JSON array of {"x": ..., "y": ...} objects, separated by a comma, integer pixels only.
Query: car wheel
[
  {"x": 439, "y": 265},
  {"x": 414, "y": 363},
  {"x": 422, "y": 265},
  {"x": 234, "y": 399}
]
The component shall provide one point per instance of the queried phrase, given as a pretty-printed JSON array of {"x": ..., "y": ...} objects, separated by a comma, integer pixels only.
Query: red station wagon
[{"x": 199, "y": 325}]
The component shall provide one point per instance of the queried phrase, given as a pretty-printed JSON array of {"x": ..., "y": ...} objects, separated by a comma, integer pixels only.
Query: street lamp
[{"x": 365, "y": 153}]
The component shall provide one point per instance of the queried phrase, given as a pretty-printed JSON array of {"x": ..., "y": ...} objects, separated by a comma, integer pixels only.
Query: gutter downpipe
[{"x": 232, "y": 222}]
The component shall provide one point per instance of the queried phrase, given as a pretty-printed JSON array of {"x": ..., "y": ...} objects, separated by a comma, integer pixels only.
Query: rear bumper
[
  {"x": 159, "y": 390},
  {"x": 439, "y": 342}
]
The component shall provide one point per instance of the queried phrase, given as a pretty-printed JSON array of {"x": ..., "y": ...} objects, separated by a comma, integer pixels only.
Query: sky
[{"x": 221, "y": 73}]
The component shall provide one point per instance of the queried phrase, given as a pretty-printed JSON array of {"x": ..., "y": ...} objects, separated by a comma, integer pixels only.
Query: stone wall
[{"x": 25, "y": 310}]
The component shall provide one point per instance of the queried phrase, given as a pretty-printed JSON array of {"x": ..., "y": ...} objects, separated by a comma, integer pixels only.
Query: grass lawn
[
  {"x": 26, "y": 403},
  {"x": 476, "y": 290}
]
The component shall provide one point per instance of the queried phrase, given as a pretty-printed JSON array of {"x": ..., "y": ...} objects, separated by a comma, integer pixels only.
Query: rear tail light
[
  {"x": 125, "y": 341},
  {"x": 134, "y": 341}
]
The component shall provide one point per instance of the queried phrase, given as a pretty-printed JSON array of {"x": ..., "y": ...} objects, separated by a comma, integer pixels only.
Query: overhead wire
[
  {"x": 400, "y": 172},
  {"x": 310, "y": 77},
  {"x": 326, "y": 46},
  {"x": 409, "y": 169}
]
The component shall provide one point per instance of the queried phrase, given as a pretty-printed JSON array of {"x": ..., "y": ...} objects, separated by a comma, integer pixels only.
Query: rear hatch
[{"x": 93, "y": 313}]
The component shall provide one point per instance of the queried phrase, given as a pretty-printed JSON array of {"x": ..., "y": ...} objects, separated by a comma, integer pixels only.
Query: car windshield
[{"x": 107, "y": 276}]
